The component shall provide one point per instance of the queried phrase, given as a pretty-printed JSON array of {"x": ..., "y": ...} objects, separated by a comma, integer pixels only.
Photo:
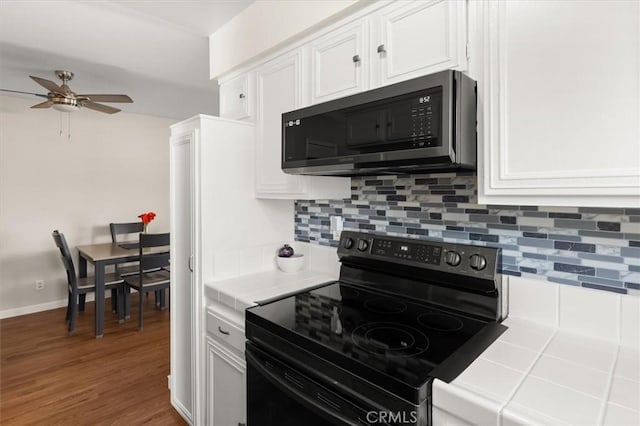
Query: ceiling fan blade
[
  {"x": 48, "y": 84},
  {"x": 107, "y": 98},
  {"x": 100, "y": 107},
  {"x": 45, "y": 104},
  {"x": 26, "y": 93}
]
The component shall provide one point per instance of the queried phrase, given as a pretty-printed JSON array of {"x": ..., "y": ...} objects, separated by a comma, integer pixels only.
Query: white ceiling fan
[{"x": 62, "y": 98}]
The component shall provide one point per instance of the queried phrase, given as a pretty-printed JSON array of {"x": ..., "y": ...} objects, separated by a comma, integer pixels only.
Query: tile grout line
[
  {"x": 557, "y": 316},
  {"x": 524, "y": 377},
  {"x": 607, "y": 394}
]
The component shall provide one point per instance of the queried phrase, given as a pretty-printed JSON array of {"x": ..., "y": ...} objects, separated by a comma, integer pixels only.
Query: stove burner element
[
  {"x": 389, "y": 339},
  {"x": 381, "y": 305},
  {"x": 440, "y": 322}
]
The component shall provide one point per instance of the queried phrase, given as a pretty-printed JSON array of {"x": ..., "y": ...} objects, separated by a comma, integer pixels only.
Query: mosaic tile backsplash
[{"x": 582, "y": 246}]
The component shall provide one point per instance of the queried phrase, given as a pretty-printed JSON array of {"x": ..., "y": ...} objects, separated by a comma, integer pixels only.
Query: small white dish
[{"x": 290, "y": 264}]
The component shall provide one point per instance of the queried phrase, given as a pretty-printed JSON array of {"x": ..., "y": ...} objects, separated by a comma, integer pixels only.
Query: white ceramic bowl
[{"x": 290, "y": 264}]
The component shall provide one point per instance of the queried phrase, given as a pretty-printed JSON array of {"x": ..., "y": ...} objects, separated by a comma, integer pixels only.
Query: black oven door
[{"x": 278, "y": 395}]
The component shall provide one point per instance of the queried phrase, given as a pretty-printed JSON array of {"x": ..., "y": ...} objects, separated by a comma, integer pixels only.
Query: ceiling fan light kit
[
  {"x": 62, "y": 98},
  {"x": 63, "y": 104}
]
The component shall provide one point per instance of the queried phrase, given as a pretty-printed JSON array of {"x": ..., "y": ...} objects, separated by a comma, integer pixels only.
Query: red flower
[{"x": 147, "y": 217}]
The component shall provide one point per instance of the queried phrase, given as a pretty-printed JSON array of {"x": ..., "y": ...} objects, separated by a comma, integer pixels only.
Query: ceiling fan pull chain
[
  {"x": 60, "y": 124},
  {"x": 69, "y": 128}
]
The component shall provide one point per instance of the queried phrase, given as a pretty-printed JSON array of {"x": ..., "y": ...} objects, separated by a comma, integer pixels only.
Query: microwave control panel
[
  {"x": 416, "y": 119},
  {"x": 422, "y": 117}
]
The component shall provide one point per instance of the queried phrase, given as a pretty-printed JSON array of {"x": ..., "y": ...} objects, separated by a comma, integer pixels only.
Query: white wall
[
  {"x": 265, "y": 25},
  {"x": 113, "y": 168}
]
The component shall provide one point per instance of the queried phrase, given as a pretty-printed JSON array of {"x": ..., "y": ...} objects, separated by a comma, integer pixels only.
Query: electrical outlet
[
  {"x": 39, "y": 284},
  {"x": 336, "y": 226}
]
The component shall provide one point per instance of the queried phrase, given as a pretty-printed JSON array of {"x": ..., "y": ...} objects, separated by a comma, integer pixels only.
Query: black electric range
[{"x": 365, "y": 349}]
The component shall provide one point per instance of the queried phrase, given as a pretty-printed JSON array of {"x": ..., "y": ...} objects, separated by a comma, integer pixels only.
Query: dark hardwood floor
[{"x": 49, "y": 378}]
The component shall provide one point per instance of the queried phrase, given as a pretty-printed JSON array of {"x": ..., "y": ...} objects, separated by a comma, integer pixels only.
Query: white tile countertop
[
  {"x": 546, "y": 369},
  {"x": 244, "y": 291}
]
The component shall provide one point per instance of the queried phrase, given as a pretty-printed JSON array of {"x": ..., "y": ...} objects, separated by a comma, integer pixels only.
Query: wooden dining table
[{"x": 101, "y": 255}]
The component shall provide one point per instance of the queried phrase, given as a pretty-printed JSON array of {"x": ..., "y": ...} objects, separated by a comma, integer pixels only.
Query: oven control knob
[
  {"x": 363, "y": 245},
  {"x": 347, "y": 243},
  {"x": 452, "y": 258},
  {"x": 478, "y": 262}
]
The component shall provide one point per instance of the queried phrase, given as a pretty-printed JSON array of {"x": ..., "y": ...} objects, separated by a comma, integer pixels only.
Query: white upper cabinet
[
  {"x": 279, "y": 89},
  {"x": 560, "y": 92},
  {"x": 234, "y": 98},
  {"x": 339, "y": 63},
  {"x": 417, "y": 38},
  {"x": 400, "y": 41}
]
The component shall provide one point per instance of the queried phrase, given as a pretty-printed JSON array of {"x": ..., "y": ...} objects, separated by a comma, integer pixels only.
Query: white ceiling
[{"x": 154, "y": 51}]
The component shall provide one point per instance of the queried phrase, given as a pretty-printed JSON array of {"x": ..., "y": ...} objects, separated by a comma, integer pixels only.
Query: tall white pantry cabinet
[{"x": 206, "y": 186}]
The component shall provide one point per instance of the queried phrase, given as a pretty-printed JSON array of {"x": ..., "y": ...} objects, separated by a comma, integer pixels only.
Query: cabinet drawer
[{"x": 224, "y": 331}]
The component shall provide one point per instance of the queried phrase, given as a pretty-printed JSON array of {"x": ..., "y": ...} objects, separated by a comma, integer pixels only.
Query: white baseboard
[{"x": 24, "y": 310}]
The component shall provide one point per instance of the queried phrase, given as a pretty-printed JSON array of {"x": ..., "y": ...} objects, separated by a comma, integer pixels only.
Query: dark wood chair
[
  {"x": 119, "y": 233},
  {"x": 152, "y": 276},
  {"x": 130, "y": 229},
  {"x": 79, "y": 287},
  {"x": 126, "y": 232}
]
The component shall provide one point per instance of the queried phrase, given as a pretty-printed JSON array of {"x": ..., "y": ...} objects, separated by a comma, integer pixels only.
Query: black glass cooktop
[{"x": 388, "y": 340}]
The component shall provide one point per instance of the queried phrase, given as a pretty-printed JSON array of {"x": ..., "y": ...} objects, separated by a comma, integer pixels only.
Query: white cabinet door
[
  {"x": 561, "y": 102},
  {"x": 278, "y": 90},
  {"x": 226, "y": 386},
  {"x": 182, "y": 249},
  {"x": 234, "y": 98},
  {"x": 339, "y": 63},
  {"x": 278, "y": 84},
  {"x": 419, "y": 37}
]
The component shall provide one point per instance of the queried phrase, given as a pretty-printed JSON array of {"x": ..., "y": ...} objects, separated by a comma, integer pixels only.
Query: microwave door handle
[{"x": 293, "y": 390}]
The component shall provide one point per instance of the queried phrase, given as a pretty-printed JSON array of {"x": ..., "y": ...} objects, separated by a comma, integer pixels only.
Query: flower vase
[{"x": 144, "y": 231}]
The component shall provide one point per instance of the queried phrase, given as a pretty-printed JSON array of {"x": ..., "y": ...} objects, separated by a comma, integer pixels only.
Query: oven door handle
[{"x": 316, "y": 402}]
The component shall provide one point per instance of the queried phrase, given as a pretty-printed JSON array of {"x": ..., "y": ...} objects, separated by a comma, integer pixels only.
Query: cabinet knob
[
  {"x": 241, "y": 96},
  {"x": 381, "y": 49},
  {"x": 356, "y": 59}
]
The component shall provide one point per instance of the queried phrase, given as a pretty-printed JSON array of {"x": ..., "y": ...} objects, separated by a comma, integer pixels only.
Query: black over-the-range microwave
[{"x": 424, "y": 124}]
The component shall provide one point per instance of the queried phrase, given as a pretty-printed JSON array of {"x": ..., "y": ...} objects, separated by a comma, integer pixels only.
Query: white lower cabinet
[
  {"x": 225, "y": 368},
  {"x": 226, "y": 386}
]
